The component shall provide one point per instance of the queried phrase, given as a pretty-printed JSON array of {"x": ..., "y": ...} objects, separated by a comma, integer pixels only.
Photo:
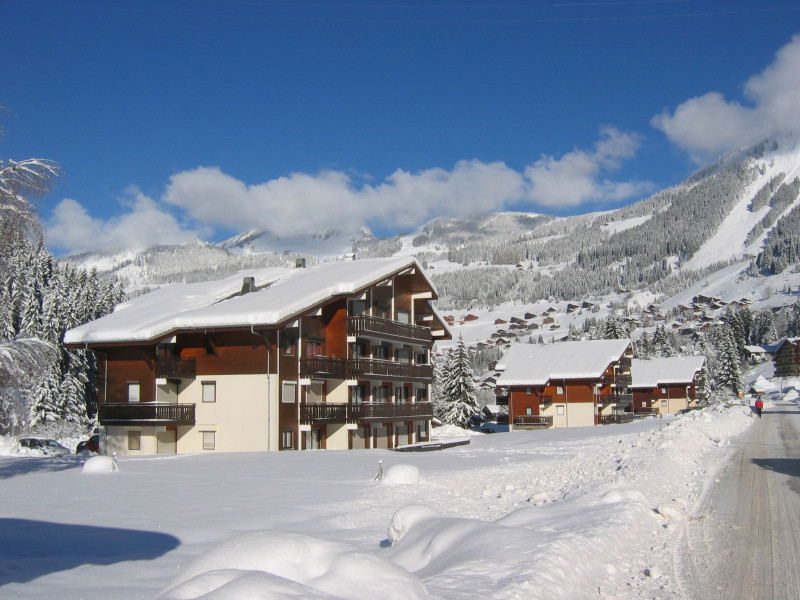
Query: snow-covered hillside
[{"x": 592, "y": 512}]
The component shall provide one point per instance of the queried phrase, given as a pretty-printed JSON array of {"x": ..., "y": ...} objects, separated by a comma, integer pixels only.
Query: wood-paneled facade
[
  {"x": 566, "y": 400},
  {"x": 351, "y": 371},
  {"x": 787, "y": 358}
]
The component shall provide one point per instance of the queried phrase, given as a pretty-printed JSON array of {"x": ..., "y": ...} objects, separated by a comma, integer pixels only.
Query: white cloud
[
  {"x": 576, "y": 177},
  {"x": 708, "y": 125},
  {"x": 142, "y": 224},
  {"x": 303, "y": 203}
]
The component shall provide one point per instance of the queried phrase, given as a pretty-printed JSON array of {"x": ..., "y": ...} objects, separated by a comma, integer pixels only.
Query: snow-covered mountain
[{"x": 726, "y": 213}]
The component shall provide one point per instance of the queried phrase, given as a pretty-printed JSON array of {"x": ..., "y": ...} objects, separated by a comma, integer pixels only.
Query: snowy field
[{"x": 591, "y": 512}]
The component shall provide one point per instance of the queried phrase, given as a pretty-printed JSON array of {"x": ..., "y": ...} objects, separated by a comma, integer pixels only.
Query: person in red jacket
[{"x": 759, "y": 406}]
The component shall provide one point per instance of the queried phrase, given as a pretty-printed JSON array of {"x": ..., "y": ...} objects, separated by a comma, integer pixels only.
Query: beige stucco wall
[
  {"x": 337, "y": 437},
  {"x": 576, "y": 414},
  {"x": 117, "y": 441},
  {"x": 337, "y": 392},
  {"x": 240, "y": 415}
]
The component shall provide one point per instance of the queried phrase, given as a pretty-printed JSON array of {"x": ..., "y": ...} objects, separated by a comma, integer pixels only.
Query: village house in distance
[
  {"x": 569, "y": 384},
  {"x": 334, "y": 356},
  {"x": 663, "y": 386}
]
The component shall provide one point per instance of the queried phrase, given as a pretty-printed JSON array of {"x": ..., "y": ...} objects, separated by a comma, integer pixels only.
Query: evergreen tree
[
  {"x": 729, "y": 373},
  {"x": 662, "y": 345},
  {"x": 763, "y": 331},
  {"x": 458, "y": 388},
  {"x": 614, "y": 329},
  {"x": 793, "y": 325}
]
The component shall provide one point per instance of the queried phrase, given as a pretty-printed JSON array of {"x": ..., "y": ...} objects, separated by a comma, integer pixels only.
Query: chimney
[{"x": 248, "y": 285}]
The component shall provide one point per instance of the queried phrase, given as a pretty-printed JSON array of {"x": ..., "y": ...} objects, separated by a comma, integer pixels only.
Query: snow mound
[
  {"x": 401, "y": 475},
  {"x": 670, "y": 510},
  {"x": 100, "y": 464},
  {"x": 791, "y": 396},
  {"x": 283, "y": 565},
  {"x": 407, "y": 517}
]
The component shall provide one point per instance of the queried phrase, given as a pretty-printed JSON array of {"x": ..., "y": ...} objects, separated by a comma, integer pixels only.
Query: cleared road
[{"x": 744, "y": 541}]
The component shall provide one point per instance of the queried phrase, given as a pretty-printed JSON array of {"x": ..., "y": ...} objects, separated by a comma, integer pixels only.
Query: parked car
[
  {"x": 92, "y": 445},
  {"x": 45, "y": 446}
]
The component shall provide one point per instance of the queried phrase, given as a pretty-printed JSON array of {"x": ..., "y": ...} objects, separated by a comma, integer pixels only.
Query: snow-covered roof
[
  {"x": 535, "y": 364},
  {"x": 280, "y": 294},
  {"x": 664, "y": 371}
]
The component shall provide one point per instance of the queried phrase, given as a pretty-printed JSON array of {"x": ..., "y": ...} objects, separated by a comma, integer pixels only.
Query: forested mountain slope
[{"x": 745, "y": 206}]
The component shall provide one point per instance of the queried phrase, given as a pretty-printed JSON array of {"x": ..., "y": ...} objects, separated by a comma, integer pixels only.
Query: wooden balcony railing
[
  {"x": 619, "y": 399},
  {"x": 323, "y": 367},
  {"x": 385, "y": 328},
  {"x": 145, "y": 413},
  {"x": 545, "y": 401},
  {"x": 175, "y": 368},
  {"x": 387, "y": 369},
  {"x": 327, "y": 412},
  {"x": 625, "y": 417},
  {"x": 533, "y": 421}
]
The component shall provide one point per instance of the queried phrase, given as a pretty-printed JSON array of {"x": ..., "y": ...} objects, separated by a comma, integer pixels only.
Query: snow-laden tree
[
  {"x": 459, "y": 391},
  {"x": 729, "y": 372},
  {"x": 763, "y": 331},
  {"x": 793, "y": 321},
  {"x": 614, "y": 329},
  {"x": 661, "y": 344}
]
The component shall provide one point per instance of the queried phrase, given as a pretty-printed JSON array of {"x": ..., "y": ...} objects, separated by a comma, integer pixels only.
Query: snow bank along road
[
  {"x": 565, "y": 514},
  {"x": 746, "y": 542}
]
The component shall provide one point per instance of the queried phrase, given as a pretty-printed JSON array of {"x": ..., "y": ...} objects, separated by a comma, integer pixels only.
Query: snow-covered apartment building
[
  {"x": 335, "y": 356},
  {"x": 666, "y": 385},
  {"x": 567, "y": 384}
]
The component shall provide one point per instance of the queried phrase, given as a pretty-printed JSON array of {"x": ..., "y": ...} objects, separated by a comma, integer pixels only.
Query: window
[
  {"x": 358, "y": 393},
  {"x": 422, "y": 432},
  {"x": 422, "y": 359},
  {"x": 528, "y": 391},
  {"x": 663, "y": 390},
  {"x": 401, "y": 394},
  {"x": 313, "y": 438},
  {"x": 315, "y": 391},
  {"x": 209, "y": 391},
  {"x": 664, "y": 403},
  {"x": 357, "y": 308},
  {"x": 289, "y": 392},
  {"x": 528, "y": 411},
  {"x": 134, "y": 391},
  {"x": 360, "y": 349},
  {"x": 209, "y": 440},
  {"x": 382, "y": 352},
  {"x": 560, "y": 410},
  {"x": 314, "y": 348},
  {"x": 404, "y": 355},
  {"x": 289, "y": 344},
  {"x": 559, "y": 389},
  {"x": 286, "y": 439},
  {"x": 134, "y": 440},
  {"x": 381, "y": 394},
  {"x": 422, "y": 394},
  {"x": 404, "y": 316}
]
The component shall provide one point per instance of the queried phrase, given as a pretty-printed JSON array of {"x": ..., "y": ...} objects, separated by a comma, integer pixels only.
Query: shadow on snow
[
  {"x": 31, "y": 549},
  {"x": 23, "y": 465}
]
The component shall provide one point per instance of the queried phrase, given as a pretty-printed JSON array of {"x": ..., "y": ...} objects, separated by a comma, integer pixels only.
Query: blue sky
[{"x": 182, "y": 119}]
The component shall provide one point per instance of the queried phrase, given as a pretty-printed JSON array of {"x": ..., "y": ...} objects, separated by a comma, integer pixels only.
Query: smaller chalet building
[
  {"x": 333, "y": 356},
  {"x": 568, "y": 384},
  {"x": 787, "y": 358},
  {"x": 663, "y": 386}
]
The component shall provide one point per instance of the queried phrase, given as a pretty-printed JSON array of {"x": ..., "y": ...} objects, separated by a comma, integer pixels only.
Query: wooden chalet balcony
[
  {"x": 368, "y": 368},
  {"x": 323, "y": 367},
  {"x": 145, "y": 413},
  {"x": 623, "y": 399},
  {"x": 533, "y": 421},
  {"x": 327, "y": 412},
  {"x": 624, "y": 417},
  {"x": 368, "y": 326},
  {"x": 545, "y": 401},
  {"x": 174, "y": 367}
]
